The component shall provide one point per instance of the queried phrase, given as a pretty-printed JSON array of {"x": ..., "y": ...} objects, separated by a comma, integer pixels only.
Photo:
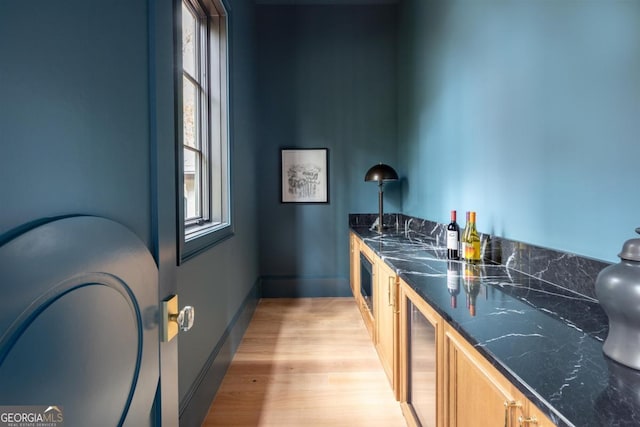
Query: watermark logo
[{"x": 31, "y": 416}]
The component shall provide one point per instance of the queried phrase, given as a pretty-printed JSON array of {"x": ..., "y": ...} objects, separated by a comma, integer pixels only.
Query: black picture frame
[{"x": 304, "y": 175}]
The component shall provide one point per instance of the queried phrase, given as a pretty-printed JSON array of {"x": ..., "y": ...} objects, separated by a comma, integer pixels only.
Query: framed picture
[{"x": 304, "y": 175}]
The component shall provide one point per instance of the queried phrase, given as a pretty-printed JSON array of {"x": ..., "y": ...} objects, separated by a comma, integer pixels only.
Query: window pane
[
  {"x": 188, "y": 41},
  {"x": 190, "y": 113},
  {"x": 192, "y": 185},
  {"x": 205, "y": 170}
]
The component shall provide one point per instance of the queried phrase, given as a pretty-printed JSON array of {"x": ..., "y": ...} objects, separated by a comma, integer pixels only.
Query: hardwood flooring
[{"x": 305, "y": 362}]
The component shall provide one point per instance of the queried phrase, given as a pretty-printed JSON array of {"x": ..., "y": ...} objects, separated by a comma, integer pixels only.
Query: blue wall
[
  {"x": 216, "y": 282},
  {"x": 74, "y": 112},
  {"x": 527, "y": 112},
  {"x": 326, "y": 79}
]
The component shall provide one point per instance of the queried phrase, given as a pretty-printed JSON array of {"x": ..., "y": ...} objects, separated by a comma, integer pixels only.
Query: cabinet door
[
  {"x": 477, "y": 394},
  {"x": 420, "y": 359},
  {"x": 354, "y": 256},
  {"x": 366, "y": 285},
  {"x": 386, "y": 319}
]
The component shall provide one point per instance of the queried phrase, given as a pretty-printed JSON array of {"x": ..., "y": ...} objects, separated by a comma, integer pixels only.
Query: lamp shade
[{"x": 381, "y": 172}]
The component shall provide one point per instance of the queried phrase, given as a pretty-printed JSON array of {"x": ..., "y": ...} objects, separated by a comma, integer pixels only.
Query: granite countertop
[{"x": 545, "y": 338}]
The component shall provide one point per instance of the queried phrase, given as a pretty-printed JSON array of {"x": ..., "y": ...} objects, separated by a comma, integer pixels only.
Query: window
[{"x": 204, "y": 199}]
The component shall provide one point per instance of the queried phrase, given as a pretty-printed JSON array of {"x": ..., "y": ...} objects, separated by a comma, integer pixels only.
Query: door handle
[
  {"x": 529, "y": 420},
  {"x": 174, "y": 320},
  {"x": 391, "y": 296},
  {"x": 507, "y": 410},
  {"x": 184, "y": 318}
]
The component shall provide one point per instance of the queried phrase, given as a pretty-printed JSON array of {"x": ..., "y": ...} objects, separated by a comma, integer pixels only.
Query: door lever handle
[
  {"x": 184, "y": 318},
  {"x": 174, "y": 320}
]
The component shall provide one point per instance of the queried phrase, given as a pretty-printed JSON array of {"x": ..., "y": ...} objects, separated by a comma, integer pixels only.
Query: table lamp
[{"x": 380, "y": 173}]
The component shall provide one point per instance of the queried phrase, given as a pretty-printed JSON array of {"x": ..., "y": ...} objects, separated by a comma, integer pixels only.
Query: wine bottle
[
  {"x": 471, "y": 240},
  {"x": 453, "y": 238}
]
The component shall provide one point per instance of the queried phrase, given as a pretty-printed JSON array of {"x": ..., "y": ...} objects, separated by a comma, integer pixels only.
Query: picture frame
[{"x": 304, "y": 175}]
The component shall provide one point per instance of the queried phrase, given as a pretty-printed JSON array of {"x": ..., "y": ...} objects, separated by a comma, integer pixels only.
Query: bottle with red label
[{"x": 453, "y": 238}]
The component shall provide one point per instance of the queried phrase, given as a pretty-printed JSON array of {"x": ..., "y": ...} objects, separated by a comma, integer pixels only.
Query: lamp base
[{"x": 374, "y": 226}]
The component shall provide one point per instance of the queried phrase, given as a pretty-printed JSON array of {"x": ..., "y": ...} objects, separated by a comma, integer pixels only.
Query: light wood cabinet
[
  {"x": 364, "y": 292},
  {"x": 445, "y": 381},
  {"x": 386, "y": 319},
  {"x": 420, "y": 353},
  {"x": 381, "y": 316},
  {"x": 476, "y": 393},
  {"x": 439, "y": 378}
]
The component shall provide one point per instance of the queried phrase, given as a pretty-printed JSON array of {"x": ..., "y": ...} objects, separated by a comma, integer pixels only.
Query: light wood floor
[{"x": 306, "y": 362}]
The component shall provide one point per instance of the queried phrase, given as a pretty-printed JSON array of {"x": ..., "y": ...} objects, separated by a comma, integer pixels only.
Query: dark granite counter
[{"x": 546, "y": 338}]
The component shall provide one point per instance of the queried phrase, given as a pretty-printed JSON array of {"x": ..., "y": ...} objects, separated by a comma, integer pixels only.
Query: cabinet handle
[
  {"x": 391, "y": 281},
  {"x": 508, "y": 404},
  {"x": 396, "y": 302},
  {"x": 528, "y": 420}
]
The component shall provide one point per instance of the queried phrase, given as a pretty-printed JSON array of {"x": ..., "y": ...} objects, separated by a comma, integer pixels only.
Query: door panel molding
[{"x": 79, "y": 323}]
